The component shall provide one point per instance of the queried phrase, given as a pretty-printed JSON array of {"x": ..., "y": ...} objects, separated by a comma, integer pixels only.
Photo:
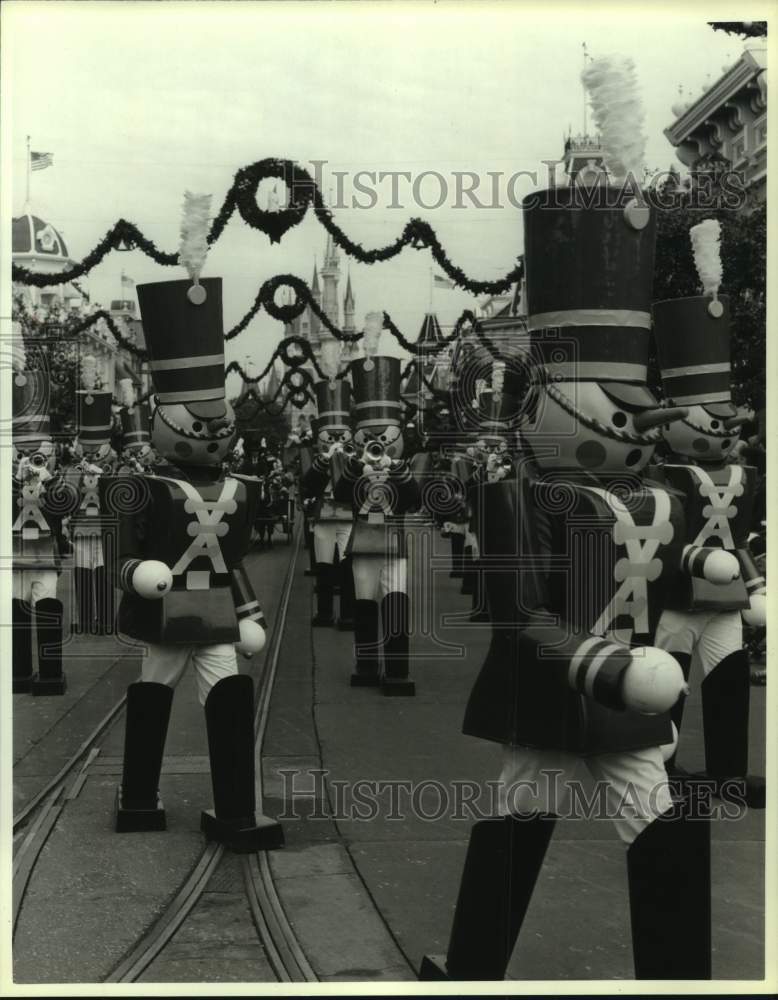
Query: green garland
[{"x": 303, "y": 193}]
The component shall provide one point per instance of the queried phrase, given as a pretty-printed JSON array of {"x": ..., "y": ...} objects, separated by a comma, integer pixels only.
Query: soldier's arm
[{"x": 128, "y": 512}]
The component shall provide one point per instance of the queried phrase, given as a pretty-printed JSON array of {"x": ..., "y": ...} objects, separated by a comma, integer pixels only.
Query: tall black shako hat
[
  {"x": 333, "y": 403},
  {"x": 589, "y": 256},
  {"x": 692, "y": 334},
  {"x": 95, "y": 418},
  {"x": 377, "y": 392},
  {"x": 136, "y": 426},
  {"x": 185, "y": 340},
  {"x": 693, "y": 348}
]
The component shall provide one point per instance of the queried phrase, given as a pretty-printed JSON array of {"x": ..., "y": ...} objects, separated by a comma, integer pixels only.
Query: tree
[{"x": 747, "y": 29}]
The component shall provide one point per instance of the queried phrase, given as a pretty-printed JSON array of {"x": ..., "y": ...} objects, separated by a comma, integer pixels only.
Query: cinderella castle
[{"x": 324, "y": 287}]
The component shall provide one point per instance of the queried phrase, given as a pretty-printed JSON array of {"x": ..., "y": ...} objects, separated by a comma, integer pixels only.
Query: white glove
[
  {"x": 756, "y": 612},
  {"x": 653, "y": 682},
  {"x": 152, "y": 579}
]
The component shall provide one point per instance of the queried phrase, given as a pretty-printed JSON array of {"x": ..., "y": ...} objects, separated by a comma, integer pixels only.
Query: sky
[{"x": 139, "y": 102}]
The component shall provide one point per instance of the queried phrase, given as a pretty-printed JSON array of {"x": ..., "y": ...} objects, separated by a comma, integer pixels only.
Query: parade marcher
[
  {"x": 186, "y": 594},
  {"x": 40, "y": 501},
  {"x": 332, "y": 520},
  {"x": 705, "y": 618},
  {"x": 378, "y": 484},
  {"x": 95, "y": 603},
  {"x": 489, "y": 458},
  {"x": 137, "y": 453},
  {"x": 595, "y": 545}
]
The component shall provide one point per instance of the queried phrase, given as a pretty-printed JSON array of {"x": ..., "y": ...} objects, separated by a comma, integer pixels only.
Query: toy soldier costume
[
  {"x": 581, "y": 559},
  {"x": 332, "y": 520},
  {"x": 705, "y": 613},
  {"x": 380, "y": 488},
  {"x": 182, "y": 536},
  {"x": 40, "y": 500},
  {"x": 94, "y": 591}
]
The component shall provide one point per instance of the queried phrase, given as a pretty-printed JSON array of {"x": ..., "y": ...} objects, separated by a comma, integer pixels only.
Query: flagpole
[
  {"x": 27, "y": 201},
  {"x": 431, "y": 287}
]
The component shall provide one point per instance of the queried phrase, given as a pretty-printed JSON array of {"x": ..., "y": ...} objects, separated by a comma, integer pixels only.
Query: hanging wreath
[{"x": 303, "y": 192}]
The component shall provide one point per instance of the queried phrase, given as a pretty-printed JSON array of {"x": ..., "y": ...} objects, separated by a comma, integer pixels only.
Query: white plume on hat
[
  {"x": 194, "y": 233},
  {"x": 706, "y": 244},
  {"x": 612, "y": 85},
  {"x": 330, "y": 356},
  {"x": 88, "y": 371},
  {"x": 374, "y": 324},
  {"x": 127, "y": 392}
]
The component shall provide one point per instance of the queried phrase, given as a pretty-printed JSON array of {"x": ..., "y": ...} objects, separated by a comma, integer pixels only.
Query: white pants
[
  {"x": 329, "y": 536},
  {"x": 87, "y": 551},
  {"x": 713, "y": 635},
  {"x": 166, "y": 665},
  {"x": 33, "y": 585},
  {"x": 635, "y": 784},
  {"x": 375, "y": 576}
]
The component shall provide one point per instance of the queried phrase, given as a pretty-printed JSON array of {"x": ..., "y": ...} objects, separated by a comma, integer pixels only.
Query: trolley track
[{"x": 274, "y": 931}]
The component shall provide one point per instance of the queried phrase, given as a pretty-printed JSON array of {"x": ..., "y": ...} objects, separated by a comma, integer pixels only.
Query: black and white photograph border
[{"x": 384, "y": 478}]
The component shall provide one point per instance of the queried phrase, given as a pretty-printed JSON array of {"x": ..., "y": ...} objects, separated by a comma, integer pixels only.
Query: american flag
[
  {"x": 39, "y": 161},
  {"x": 440, "y": 282}
]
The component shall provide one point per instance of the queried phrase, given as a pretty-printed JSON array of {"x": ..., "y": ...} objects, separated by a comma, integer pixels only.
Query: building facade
[
  {"x": 49, "y": 311},
  {"x": 729, "y": 120},
  {"x": 308, "y": 326}
]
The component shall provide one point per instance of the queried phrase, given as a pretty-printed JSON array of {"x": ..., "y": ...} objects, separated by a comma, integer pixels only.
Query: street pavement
[{"x": 370, "y": 871}]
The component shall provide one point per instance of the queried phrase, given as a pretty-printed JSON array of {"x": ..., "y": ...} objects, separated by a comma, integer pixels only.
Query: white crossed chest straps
[
  {"x": 720, "y": 509},
  {"x": 30, "y": 520},
  {"x": 208, "y": 527},
  {"x": 641, "y": 565}
]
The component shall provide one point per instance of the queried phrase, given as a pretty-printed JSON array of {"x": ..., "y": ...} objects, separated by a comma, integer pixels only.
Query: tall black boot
[
  {"x": 480, "y": 612},
  {"x": 138, "y": 805},
  {"x": 668, "y": 867},
  {"x": 468, "y": 574},
  {"x": 311, "y": 570},
  {"x": 82, "y": 581},
  {"x": 366, "y": 668},
  {"x": 104, "y": 602},
  {"x": 504, "y": 858},
  {"x": 457, "y": 552},
  {"x": 394, "y": 624},
  {"x": 347, "y": 598},
  {"x": 21, "y": 623},
  {"x": 676, "y": 712},
  {"x": 726, "y": 693},
  {"x": 229, "y": 718},
  {"x": 324, "y": 594},
  {"x": 50, "y": 678}
]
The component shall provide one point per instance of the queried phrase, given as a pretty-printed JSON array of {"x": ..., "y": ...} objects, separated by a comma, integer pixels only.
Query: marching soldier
[
  {"x": 703, "y": 616},
  {"x": 137, "y": 453},
  {"x": 93, "y": 587},
  {"x": 41, "y": 500},
  {"x": 378, "y": 484},
  {"x": 578, "y": 565},
  {"x": 182, "y": 536},
  {"x": 332, "y": 520}
]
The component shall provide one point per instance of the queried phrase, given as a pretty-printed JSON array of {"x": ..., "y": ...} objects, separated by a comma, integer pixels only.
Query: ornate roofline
[{"x": 745, "y": 69}]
